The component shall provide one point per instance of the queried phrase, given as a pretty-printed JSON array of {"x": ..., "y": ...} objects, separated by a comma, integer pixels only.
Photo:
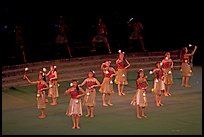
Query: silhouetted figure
[
  {"x": 62, "y": 36},
  {"x": 136, "y": 35},
  {"x": 20, "y": 41},
  {"x": 101, "y": 36}
]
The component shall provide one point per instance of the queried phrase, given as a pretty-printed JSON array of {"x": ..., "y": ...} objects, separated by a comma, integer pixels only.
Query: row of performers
[{"x": 162, "y": 76}]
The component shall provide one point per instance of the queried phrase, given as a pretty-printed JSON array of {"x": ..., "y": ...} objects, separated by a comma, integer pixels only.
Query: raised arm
[
  {"x": 83, "y": 83},
  {"x": 31, "y": 82}
]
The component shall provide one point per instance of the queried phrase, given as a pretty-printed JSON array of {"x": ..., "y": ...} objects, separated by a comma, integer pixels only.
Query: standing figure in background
[
  {"x": 121, "y": 73},
  {"x": 101, "y": 35},
  {"x": 185, "y": 67},
  {"x": 62, "y": 36},
  {"x": 20, "y": 41},
  {"x": 75, "y": 104},
  {"x": 53, "y": 84},
  {"x": 167, "y": 66},
  {"x": 107, "y": 85},
  {"x": 41, "y": 96},
  {"x": 90, "y": 97},
  {"x": 136, "y": 35}
]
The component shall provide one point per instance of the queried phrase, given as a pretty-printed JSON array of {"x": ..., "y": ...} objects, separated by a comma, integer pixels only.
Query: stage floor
[{"x": 180, "y": 115}]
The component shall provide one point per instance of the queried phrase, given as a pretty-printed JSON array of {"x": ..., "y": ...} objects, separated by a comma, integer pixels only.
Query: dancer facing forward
[
  {"x": 101, "y": 35},
  {"x": 41, "y": 99},
  {"x": 90, "y": 97},
  {"x": 159, "y": 86},
  {"x": 53, "y": 84},
  {"x": 167, "y": 67},
  {"x": 140, "y": 96},
  {"x": 107, "y": 85},
  {"x": 75, "y": 106},
  {"x": 185, "y": 67},
  {"x": 121, "y": 73}
]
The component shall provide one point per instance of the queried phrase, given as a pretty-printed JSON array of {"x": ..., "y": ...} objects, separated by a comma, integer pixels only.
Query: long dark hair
[
  {"x": 77, "y": 87},
  {"x": 182, "y": 52}
]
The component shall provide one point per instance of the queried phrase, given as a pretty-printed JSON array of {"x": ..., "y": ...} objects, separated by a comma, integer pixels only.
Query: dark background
[{"x": 167, "y": 26}]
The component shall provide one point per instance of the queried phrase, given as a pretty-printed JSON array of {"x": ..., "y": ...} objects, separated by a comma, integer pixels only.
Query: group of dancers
[{"x": 163, "y": 80}]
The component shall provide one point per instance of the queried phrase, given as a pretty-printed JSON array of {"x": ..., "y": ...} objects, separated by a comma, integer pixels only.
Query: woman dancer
[
  {"x": 90, "y": 97},
  {"x": 75, "y": 105},
  {"x": 121, "y": 73},
  {"x": 185, "y": 67},
  {"x": 140, "y": 96},
  {"x": 41, "y": 100},
  {"x": 167, "y": 67},
  {"x": 159, "y": 86},
  {"x": 107, "y": 85},
  {"x": 53, "y": 84}
]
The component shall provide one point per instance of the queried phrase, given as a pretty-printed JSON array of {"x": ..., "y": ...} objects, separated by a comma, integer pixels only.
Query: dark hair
[
  {"x": 182, "y": 52},
  {"x": 77, "y": 84},
  {"x": 138, "y": 73}
]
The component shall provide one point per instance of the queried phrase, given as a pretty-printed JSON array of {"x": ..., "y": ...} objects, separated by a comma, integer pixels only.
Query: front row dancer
[
  {"x": 75, "y": 105},
  {"x": 107, "y": 85},
  {"x": 90, "y": 97},
  {"x": 140, "y": 96}
]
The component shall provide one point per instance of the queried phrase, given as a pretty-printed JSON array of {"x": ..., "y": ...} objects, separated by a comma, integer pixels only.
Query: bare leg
[
  {"x": 138, "y": 111},
  {"x": 92, "y": 111},
  {"x": 122, "y": 89},
  {"x": 73, "y": 120},
  {"x": 77, "y": 122},
  {"x": 109, "y": 100},
  {"x": 183, "y": 80},
  {"x": 143, "y": 112},
  {"x": 168, "y": 89},
  {"x": 88, "y": 111},
  {"x": 107, "y": 44},
  {"x": 103, "y": 99},
  {"x": 43, "y": 113},
  {"x": 187, "y": 82},
  {"x": 119, "y": 90},
  {"x": 68, "y": 49}
]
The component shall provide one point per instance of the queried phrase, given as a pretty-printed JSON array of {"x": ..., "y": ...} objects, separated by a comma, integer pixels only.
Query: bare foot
[
  {"x": 87, "y": 115},
  {"x": 92, "y": 116},
  {"x": 41, "y": 116},
  {"x": 123, "y": 93},
  {"x": 139, "y": 117},
  {"x": 78, "y": 127},
  {"x": 110, "y": 104},
  {"x": 188, "y": 86},
  {"x": 73, "y": 127},
  {"x": 144, "y": 116},
  {"x": 53, "y": 104},
  {"x": 105, "y": 105}
]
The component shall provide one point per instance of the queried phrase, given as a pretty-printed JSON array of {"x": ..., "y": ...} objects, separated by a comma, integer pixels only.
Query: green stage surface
[{"x": 180, "y": 115}]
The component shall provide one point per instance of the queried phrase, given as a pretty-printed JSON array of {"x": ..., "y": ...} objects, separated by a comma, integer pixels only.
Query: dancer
[
  {"x": 90, "y": 97},
  {"x": 185, "y": 67},
  {"x": 20, "y": 41},
  {"x": 75, "y": 106},
  {"x": 107, "y": 85},
  {"x": 121, "y": 73},
  {"x": 159, "y": 86},
  {"x": 41, "y": 99},
  {"x": 140, "y": 96},
  {"x": 101, "y": 35},
  {"x": 62, "y": 37},
  {"x": 167, "y": 67},
  {"x": 53, "y": 84},
  {"x": 136, "y": 35}
]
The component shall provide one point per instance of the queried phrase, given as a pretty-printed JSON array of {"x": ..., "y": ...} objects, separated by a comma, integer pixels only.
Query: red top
[
  {"x": 107, "y": 73},
  {"x": 158, "y": 73},
  {"x": 51, "y": 75},
  {"x": 41, "y": 86},
  {"x": 74, "y": 93},
  {"x": 167, "y": 64},
  {"x": 185, "y": 59},
  {"x": 141, "y": 85},
  {"x": 90, "y": 83},
  {"x": 120, "y": 65}
]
